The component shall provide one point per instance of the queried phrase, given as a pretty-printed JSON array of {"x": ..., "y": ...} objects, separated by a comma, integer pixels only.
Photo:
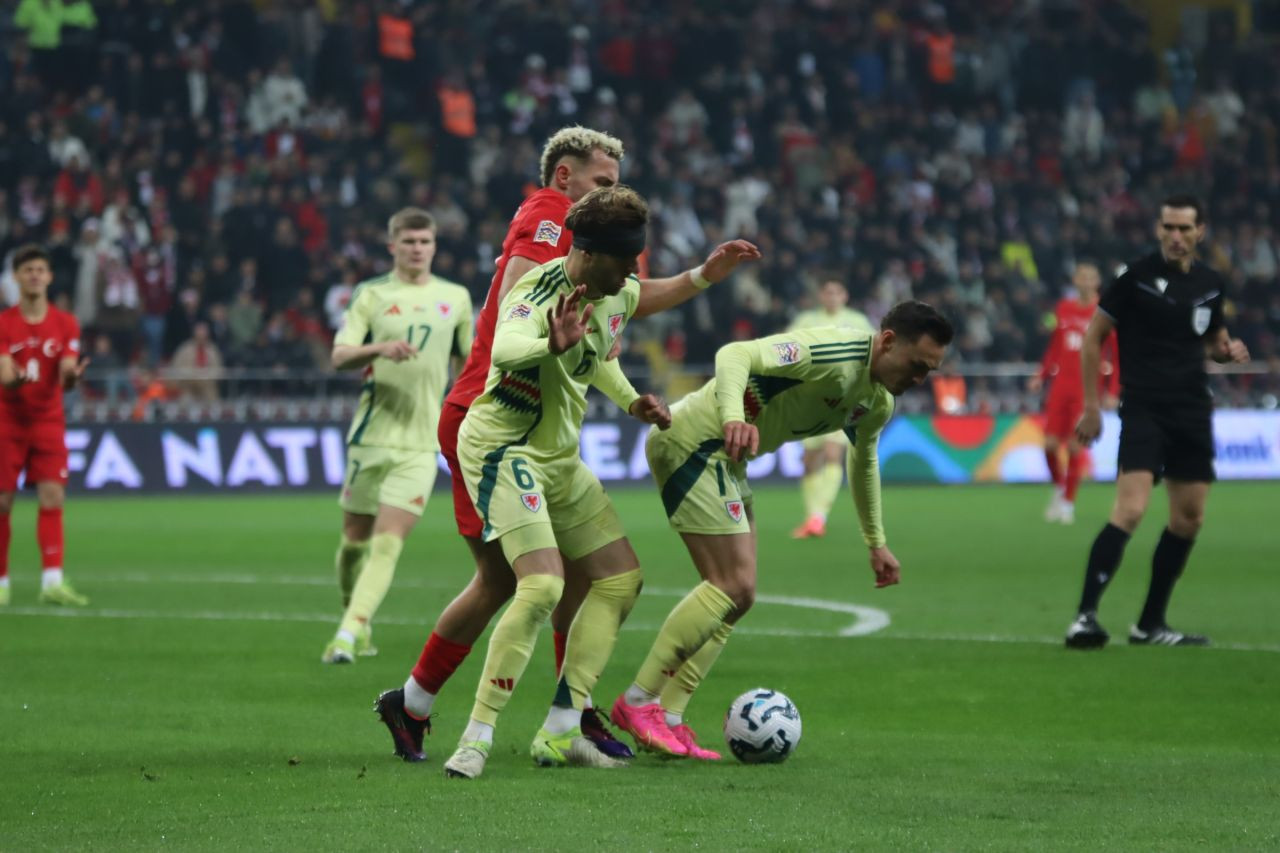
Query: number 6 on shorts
[{"x": 524, "y": 479}]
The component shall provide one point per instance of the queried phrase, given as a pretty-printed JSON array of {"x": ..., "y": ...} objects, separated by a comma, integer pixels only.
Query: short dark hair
[
  {"x": 913, "y": 318},
  {"x": 1185, "y": 200},
  {"x": 603, "y": 207},
  {"x": 30, "y": 252}
]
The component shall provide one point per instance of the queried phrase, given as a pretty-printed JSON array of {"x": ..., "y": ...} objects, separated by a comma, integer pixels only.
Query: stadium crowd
[{"x": 213, "y": 177}]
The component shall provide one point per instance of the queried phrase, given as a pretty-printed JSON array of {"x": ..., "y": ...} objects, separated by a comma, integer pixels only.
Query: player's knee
[
  {"x": 1186, "y": 523},
  {"x": 1127, "y": 515},
  {"x": 540, "y": 593},
  {"x": 742, "y": 592}
]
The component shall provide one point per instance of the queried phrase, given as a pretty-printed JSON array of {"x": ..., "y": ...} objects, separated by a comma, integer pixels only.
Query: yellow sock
[
  {"x": 809, "y": 489},
  {"x": 688, "y": 627},
  {"x": 825, "y": 490},
  {"x": 679, "y": 690},
  {"x": 511, "y": 644},
  {"x": 349, "y": 561},
  {"x": 593, "y": 635},
  {"x": 371, "y": 587}
]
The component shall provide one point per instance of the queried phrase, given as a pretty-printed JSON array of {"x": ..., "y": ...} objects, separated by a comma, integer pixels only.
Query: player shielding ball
[
  {"x": 764, "y": 394},
  {"x": 1166, "y": 310},
  {"x": 575, "y": 160},
  {"x": 39, "y": 360},
  {"x": 1065, "y": 401},
  {"x": 824, "y": 454},
  {"x": 539, "y": 501},
  {"x": 401, "y": 329}
]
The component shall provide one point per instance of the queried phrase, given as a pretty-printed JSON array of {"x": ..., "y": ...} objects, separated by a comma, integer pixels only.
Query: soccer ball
[{"x": 762, "y": 727}]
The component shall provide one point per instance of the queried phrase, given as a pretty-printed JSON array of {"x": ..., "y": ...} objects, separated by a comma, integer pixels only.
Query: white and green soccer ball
[{"x": 762, "y": 727}]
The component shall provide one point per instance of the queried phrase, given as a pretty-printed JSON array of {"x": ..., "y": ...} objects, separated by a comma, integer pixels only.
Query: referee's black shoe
[
  {"x": 1086, "y": 633},
  {"x": 1163, "y": 635}
]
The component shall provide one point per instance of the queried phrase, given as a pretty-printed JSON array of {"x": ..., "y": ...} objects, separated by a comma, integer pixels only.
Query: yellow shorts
[
  {"x": 387, "y": 476},
  {"x": 817, "y": 442},
  {"x": 702, "y": 490},
  {"x": 528, "y": 504}
]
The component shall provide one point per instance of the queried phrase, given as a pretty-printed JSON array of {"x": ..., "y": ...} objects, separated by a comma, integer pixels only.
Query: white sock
[
  {"x": 417, "y": 701},
  {"x": 560, "y": 720},
  {"x": 587, "y": 703},
  {"x": 346, "y": 636},
  {"x": 50, "y": 577},
  {"x": 674, "y": 719},
  {"x": 4, "y": 582},
  {"x": 636, "y": 696},
  {"x": 478, "y": 731}
]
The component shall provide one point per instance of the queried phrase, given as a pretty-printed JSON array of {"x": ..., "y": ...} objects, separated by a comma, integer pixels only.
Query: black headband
[{"x": 621, "y": 241}]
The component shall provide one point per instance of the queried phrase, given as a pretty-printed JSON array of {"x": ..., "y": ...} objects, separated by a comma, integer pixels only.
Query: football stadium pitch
[{"x": 187, "y": 706}]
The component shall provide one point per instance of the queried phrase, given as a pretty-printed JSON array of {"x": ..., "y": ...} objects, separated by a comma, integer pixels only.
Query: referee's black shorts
[{"x": 1169, "y": 439}]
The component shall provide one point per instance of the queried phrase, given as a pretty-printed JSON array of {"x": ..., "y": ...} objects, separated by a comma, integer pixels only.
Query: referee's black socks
[
  {"x": 1104, "y": 559},
  {"x": 1166, "y": 567}
]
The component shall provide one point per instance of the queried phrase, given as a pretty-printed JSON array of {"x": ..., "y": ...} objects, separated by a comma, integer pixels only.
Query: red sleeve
[
  {"x": 5, "y": 337},
  {"x": 1049, "y": 363},
  {"x": 1111, "y": 358},
  {"x": 539, "y": 231}
]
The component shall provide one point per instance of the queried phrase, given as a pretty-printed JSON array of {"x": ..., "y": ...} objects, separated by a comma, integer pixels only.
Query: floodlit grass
[{"x": 187, "y": 707}]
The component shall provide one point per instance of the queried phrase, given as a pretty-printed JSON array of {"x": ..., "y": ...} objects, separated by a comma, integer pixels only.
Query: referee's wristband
[{"x": 699, "y": 280}]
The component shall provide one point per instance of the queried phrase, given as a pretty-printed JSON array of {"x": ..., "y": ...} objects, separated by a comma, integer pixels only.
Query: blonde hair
[
  {"x": 409, "y": 219},
  {"x": 605, "y": 207},
  {"x": 578, "y": 142}
]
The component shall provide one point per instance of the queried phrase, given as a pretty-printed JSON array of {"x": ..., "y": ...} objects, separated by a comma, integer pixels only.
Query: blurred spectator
[{"x": 201, "y": 362}]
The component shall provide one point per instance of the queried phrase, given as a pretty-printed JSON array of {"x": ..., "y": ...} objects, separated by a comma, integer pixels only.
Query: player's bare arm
[
  {"x": 651, "y": 409},
  {"x": 565, "y": 327},
  {"x": 1090, "y": 425},
  {"x": 741, "y": 440},
  {"x": 10, "y": 375},
  {"x": 347, "y": 357},
  {"x": 1225, "y": 349},
  {"x": 70, "y": 371},
  {"x": 659, "y": 294}
]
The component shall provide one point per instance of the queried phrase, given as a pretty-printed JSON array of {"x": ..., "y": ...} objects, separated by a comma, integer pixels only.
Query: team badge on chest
[
  {"x": 1200, "y": 317},
  {"x": 857, "y": 413},
  {"x": 532, "y": 501},
  {"x": 735, "y": 510},
  {"x": 445, "y": 309},
  {"x": 615, "y": 324}
]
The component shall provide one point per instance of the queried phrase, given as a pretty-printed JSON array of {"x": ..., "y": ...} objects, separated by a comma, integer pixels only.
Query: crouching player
[{"x": 765, "y": 393}]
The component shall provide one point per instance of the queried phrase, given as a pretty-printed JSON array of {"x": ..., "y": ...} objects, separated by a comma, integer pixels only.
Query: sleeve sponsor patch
[
  {"x": 788, "y": 353},
  {"x": 547, "y": 232},
  {"x": 520, "y": 311}
]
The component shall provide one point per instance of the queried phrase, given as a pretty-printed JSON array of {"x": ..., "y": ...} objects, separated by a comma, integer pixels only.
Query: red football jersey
[
  {"x": 36, "y": 349},
  {"x": 1062, "y": 358},
  {"x": 537, "y": 232}
]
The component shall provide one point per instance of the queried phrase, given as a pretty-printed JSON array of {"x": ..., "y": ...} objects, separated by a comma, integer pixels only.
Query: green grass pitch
[{"x": 187, "y": 707}]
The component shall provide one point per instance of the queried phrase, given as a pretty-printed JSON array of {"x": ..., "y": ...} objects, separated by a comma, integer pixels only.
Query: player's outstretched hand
[
  {"x": 650, "y": 409},
  {"x": 565, "y": 326},
  {"x": 70, "y": 378},
  {"x": 1034, "y": 384},
  {"x": 725, "y": 258},
  {"x": 1089, "y": 427},
  {"x": 887, "y": 569},
  {"x": 741, "y": 440},
  {"x": 398, "y": 350},
  {"x": 1237, "y": 352}
]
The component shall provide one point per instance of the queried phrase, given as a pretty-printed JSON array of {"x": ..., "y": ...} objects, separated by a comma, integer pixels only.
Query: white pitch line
[{"x": 328, "y": 618}]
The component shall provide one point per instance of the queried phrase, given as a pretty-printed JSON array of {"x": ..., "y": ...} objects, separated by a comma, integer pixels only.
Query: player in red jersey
[
  {"x": 1065, "y": 401},
  {"x": 575, "y": 160},
  {"x": 39, "y": 359}
]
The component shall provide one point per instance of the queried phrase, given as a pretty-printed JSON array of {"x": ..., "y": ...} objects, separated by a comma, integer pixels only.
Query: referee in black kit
[{"x": 1167, "y": 312}]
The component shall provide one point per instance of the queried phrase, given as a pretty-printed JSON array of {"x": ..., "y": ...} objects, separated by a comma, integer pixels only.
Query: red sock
[
  {"x": 561, "y": 641},
  {"x": 1055, "y": 466},
  {"x": 440, "y": 658},
  {"x": 6, "y": 532},
  {"x": 49, "y": 537},
  {"x": 1075, "y": 468}
]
